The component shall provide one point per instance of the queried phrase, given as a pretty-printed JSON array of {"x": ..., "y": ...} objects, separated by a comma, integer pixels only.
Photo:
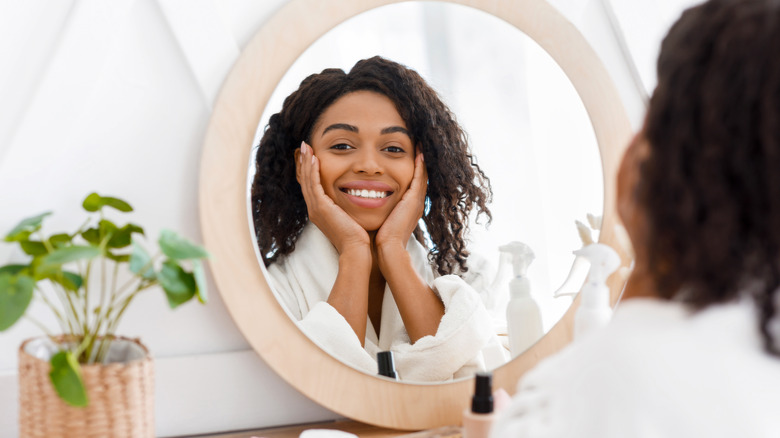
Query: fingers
[
  {"x": 309, "y": 175},
  {"x": 419, "y": 185},
  {"x": 420, "y": 172}
]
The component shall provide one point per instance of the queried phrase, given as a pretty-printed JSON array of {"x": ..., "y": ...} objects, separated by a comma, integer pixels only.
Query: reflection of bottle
[
  {"x": 523, "y": 317},
  {"x": 386, "y": 364},
  {"x": 579, "y": 267},
  {"x": 594, "y": 311}
]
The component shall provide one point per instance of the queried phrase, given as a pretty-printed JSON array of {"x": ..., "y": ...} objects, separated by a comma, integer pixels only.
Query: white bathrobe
[
  {"x": 657, "y": 370},
  {"x": 302, "y": 282}
]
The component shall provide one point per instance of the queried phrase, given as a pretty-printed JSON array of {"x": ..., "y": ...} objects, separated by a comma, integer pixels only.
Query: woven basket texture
[{"x": 121, "y": 400}]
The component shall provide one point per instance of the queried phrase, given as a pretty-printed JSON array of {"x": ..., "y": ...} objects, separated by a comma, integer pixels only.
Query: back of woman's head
[
  {"x": 710, "y": 185},
  {"x": 456, "y": 184}
]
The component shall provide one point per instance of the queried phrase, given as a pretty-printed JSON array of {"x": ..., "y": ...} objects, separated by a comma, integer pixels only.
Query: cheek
[
  {"x": 405, "y": 172},
  {"x": 328, "y": 175}
]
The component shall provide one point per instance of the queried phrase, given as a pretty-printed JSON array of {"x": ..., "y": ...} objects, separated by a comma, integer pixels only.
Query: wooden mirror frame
[{"x": 227, "y": 231}]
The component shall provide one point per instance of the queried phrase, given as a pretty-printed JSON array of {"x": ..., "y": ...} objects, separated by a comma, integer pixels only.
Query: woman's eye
[
  {"x": 394, "y": 149},
  {"x": 341, "y": 147}
]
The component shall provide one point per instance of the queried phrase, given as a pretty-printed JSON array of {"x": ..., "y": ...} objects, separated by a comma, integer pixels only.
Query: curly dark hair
[
  {"x": 456, "y": 184},
  {"x": 711, "y": 182}
]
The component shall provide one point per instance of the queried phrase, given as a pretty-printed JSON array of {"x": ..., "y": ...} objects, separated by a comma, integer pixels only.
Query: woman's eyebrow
[
  {"x": 393, "y": 129},
  {"x": 343, "y": 126}
]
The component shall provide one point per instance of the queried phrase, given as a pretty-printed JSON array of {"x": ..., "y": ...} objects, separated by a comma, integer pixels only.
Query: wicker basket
[{"x": 121, "y": 400}]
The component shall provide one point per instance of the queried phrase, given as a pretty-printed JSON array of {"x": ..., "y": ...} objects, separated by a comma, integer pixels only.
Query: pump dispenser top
[
  {"x": 386, "y": 364},
  {"x": 522, "y": 256},
  {"x": 594, "y": 308}
]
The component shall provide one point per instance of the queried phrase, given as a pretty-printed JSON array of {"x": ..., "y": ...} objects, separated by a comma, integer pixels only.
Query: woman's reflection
[{"x": 344, "y": 172}]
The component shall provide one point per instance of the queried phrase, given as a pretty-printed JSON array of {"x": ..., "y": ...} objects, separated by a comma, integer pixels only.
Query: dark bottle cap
[
  {"x": 386, "y": 364},
  {"x": 482, "y": 401}
]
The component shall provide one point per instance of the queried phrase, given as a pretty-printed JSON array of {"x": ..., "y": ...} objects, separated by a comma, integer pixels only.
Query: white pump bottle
[
  {"x": 594, "y": 311},
  {"x": 523, "y": 317}
]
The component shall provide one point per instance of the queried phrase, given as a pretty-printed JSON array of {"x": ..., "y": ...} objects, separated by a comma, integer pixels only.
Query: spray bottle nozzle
[
  {"x": 522, "y": 256},
  {"x": 603, "y": 261}
]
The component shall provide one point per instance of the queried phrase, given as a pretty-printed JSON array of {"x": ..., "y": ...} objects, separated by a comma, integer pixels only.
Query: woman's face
[{"x": 366, "y": 156}]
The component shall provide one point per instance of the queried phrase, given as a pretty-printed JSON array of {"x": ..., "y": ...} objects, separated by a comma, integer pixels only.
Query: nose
[{"x": 368, "y": 161}]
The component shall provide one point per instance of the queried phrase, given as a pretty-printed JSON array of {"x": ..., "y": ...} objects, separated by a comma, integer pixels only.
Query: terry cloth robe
[
  {"x": 657, "y": 370},
  {"x": 302, "y": 282}
]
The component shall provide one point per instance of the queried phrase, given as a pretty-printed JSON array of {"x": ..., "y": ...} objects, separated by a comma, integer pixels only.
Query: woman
[
  {"x": 693, "y": 348},
  {"x": 345, "y": 171}
]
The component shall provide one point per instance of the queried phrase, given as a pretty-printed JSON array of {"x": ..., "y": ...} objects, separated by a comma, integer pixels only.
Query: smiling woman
[{"x": 359, "y": 281}]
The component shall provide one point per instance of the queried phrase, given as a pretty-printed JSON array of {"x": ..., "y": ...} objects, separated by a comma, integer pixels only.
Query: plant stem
[
  {"x": 45, "y": 242},
  {"x": 86, "y": 296},
  {"x": 81, "y": 228},
  {"x": 40, "y": 326},
  {"x": 116, "y": 292},
  {"x": 113, "y": 321},
  {"x": 102, "y": 314},
  {"x": 60, "y": 319},
  {"x": 68, "y": 308},
  {"x": 116, "y": 318}
]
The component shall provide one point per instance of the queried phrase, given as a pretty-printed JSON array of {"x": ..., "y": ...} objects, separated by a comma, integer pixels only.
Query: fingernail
[{"x": 312, "y": 158}]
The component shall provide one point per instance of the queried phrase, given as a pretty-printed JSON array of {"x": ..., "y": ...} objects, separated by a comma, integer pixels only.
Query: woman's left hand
[{"x": 402, "y": 221}]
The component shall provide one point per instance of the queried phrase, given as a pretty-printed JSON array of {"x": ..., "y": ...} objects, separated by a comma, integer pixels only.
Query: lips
[{"x": 367, "y": 194}]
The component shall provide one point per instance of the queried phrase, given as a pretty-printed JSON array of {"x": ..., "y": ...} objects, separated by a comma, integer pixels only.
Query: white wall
[{"x": 115, "y": 97}]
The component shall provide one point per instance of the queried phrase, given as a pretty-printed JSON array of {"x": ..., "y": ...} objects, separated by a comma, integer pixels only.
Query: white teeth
[{"x": 371, "y": 194}]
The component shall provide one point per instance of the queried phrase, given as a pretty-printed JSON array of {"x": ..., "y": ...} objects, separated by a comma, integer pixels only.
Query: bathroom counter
[{"x": 359, "y": 429}]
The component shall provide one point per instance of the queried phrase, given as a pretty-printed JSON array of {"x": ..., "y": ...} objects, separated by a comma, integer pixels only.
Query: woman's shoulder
[{"x": 660, "y": 365}]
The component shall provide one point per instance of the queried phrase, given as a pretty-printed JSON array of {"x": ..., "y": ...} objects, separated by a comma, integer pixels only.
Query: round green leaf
[
  {"x": 123, "y": 236},
  {"x": 140, "y": 260},
  {"x": 59, "y": 240},
  {"x": 179, "y": 248},
  {"x": 68, "y": 280},
  {"x": 200, "y": 280},
  {"x": 179, "y": 286},
  {"x": 94, "y": 202},
  {"x": 16, "y": 292},
  {"x": 33, "y": 248},
  {"x": 91, "y": 235},
  {"x": 70, "y": 254},
  {"x": 119, "y": 258},
  {"x": 65, "y": 375},
  {"x": 13, "y": 269},
  {"x": 106, "y": 227},
  {"x": 26, "y": 227}
]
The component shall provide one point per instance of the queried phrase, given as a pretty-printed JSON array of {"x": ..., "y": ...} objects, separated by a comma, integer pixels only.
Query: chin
[{"x": 370, "y": 224}]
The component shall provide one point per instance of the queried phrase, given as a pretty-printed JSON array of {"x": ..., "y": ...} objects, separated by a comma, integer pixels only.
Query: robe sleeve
[
  {"x": 322, "y": 323},
  {"x": 456, "y": 348}
]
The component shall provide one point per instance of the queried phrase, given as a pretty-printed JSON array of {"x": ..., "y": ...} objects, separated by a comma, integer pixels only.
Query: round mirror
[
  {"x": 510, "y": 100},
  {"x": 227, "y": 232}
]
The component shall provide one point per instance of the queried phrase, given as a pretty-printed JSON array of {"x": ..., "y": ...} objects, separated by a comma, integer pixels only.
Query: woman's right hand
[{"x": 339, "y": 227}]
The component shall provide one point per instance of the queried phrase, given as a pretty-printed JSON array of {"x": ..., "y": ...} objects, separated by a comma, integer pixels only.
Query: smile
[{"x": 368, "y": 194}]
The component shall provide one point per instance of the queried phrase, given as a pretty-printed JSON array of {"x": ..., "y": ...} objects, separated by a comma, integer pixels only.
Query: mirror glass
[{"x": 527, "y": 128}]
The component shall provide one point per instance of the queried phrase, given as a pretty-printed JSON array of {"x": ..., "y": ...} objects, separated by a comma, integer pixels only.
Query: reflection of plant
[{"x": 89, "y": 313}]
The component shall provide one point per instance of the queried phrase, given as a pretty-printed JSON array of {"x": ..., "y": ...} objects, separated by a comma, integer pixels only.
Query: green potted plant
[{"x": 88, "y": 279}]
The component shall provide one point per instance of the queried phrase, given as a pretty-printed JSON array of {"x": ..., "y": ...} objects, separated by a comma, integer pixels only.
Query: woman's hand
[
  {"x": 349, "y": 238},
  {"x": 421, "y": 310},
  {"x": 402, "y": 221},
  {"x": 342, "y": 231}
]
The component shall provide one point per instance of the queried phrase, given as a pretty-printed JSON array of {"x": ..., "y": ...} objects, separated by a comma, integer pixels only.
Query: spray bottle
[
  {"x": 523, "y": 318},
  {"x": 594, "y": 311}
]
